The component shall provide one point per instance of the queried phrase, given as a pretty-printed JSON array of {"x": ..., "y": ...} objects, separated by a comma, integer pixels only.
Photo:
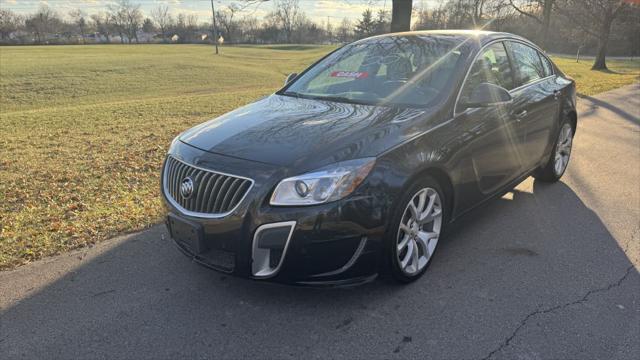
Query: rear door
[{"x": 535, "y": 101}]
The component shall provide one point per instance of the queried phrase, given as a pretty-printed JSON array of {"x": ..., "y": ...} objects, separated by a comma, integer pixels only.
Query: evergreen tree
[{"x": 365, "y": 26}]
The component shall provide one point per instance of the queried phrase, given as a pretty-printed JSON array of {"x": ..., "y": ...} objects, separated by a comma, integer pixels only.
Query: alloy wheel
[
  {"x": 419, "y": 231},
  {"x": 563, "y": 149}
]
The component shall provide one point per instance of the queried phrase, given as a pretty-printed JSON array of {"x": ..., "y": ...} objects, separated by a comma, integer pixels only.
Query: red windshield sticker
[{"x": 350, "y": 74}]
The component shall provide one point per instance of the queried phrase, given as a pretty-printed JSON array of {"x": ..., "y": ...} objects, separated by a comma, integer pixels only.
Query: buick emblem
[{"x": 186, "y": 188}]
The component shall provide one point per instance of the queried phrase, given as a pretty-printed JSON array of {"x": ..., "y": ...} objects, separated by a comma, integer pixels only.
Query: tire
[
  {"x": 412, "y": 238},
  {"x": 558, "y": 161}
]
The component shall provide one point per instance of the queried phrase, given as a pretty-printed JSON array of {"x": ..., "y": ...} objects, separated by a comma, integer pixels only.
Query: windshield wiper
[
  {"x": 341, "y": 99},
  {"x": 293, "y": 94},
  {"x": 350, "y": 100}
]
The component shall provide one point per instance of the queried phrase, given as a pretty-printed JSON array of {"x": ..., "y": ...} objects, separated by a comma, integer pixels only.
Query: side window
[
  {"x": 546, "y": 64},
  {"x": 492, "y": 66},
  {"x": 528, "y": 63}
]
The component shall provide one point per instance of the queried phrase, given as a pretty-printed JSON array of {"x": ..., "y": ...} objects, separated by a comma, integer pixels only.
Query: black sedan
[{"x": 358, "y": 165}]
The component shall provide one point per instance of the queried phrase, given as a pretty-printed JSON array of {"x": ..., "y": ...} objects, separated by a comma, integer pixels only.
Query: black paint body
[{"x": 475, "y": 154}]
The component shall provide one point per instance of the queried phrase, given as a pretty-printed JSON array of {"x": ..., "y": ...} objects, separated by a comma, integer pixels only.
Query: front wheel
[
  {"x": 416, "y": 230},
  {"x": 559, "y": 159}
]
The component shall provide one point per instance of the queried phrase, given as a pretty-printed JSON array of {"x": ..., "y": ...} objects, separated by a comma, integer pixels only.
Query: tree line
[{"x": 597, "y": 27}]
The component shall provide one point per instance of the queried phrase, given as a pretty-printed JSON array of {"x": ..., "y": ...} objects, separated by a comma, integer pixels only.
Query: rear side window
[
  {"x": 527, "y": 62},
  {"x": 492, "y": 66},
  {"x": 546, "y": 65}
]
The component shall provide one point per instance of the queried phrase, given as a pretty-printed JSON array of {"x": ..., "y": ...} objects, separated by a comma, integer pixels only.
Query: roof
[{"x": 482, "y": 35}]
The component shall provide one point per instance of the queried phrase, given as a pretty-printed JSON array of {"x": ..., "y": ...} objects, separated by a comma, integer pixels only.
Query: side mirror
[
  {"x": 290, "y": 77},
  {"x": 486, "y": 94}
]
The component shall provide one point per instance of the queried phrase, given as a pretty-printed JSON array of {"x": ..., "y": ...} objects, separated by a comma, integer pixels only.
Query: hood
[{"x": 288, "y": 131}]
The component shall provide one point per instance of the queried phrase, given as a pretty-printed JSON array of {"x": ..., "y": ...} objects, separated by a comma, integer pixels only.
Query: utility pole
[{"x": 215, "y": 27}]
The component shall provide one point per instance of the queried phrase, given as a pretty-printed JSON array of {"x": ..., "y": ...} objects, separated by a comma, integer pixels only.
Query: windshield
[{"x": 396, "y": 70}]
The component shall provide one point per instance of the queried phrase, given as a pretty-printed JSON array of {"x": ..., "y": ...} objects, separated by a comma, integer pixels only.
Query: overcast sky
[{"x": 317, "y": 10}]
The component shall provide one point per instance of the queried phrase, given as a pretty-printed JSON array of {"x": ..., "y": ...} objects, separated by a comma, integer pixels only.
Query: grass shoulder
[{"x": 591, "y": 82}]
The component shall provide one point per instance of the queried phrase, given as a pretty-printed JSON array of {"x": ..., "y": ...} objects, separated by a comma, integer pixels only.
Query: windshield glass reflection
[{"x": 395, "y": 70}]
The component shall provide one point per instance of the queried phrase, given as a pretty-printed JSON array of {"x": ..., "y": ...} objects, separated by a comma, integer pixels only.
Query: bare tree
[
  {"x": 163, "y": 19},
  {"x": 192, "y": 22},
  {"x": 102, "y": 22},
  {"x": 400, "y": 14},
  {"x": 478, "y": 7},
  {"x": 118, "y": 19},
  {"x": 501, "y": 13},
  {"x": 127, "y": 19},
  {"x": 344, "y": 31},
  {"x": 9, "y": 22},
  {"x": 226, "y": 17},
  {"x": 329, "y": 32},
  {"x": 459, "y": 14},
  {"x": 287, "y": 14},
  {"x": 434, "y": 18},
  {"x": 78, "y": 17},
  {"x": 134, "y": 18},
  {"x": 185, "y": 27},
  {"x": 538, "y": 10},
  {"x": 249, "y": 28},
  {"x": 595, "y": 17},
  {"x": 43, "y": 22}
]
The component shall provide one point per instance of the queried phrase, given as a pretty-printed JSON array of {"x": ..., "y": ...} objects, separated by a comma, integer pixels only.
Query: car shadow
[
  {"x": 533, "y": 248},
  {"x": 591, "y": 103}
]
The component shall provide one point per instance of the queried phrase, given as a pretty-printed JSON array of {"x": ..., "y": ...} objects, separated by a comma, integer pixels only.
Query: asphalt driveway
[{"x": 546, "y": 272}]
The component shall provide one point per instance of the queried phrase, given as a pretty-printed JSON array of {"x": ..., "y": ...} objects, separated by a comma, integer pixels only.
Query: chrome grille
[{"x": 214, "y": 194}]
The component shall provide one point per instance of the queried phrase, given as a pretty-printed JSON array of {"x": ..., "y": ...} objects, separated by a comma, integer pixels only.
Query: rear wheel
[
  {"x": 559, "y": 159},
  {"x": 416, "y": 229}
]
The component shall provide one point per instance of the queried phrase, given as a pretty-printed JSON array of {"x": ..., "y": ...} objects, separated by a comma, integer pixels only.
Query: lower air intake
[{"x": 270, "y": 244}]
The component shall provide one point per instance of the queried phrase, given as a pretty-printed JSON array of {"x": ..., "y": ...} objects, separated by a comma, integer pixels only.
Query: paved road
[{"x": 547, "y": 272}]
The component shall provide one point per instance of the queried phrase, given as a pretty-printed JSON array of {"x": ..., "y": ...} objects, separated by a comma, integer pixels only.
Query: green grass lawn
[
  {"x": 84, "y": 129},
  {"x": 83, "y": 132},
  {"x": 591, "y": 82}
]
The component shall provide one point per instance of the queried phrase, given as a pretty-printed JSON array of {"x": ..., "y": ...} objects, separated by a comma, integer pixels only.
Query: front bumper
[{"x": 330, "y": 244}]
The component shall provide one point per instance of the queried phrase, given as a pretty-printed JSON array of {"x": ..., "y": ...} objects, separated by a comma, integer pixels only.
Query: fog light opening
[{"x": 269, "y": 249}]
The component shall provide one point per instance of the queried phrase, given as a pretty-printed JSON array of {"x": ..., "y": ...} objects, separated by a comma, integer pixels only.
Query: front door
[
  {"x": 496, "y": 156},
  {"x": 495, "y": 135}
]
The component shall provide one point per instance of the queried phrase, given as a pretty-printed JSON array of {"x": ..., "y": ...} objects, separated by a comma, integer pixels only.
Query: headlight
[{"x": 330, "y": 183}]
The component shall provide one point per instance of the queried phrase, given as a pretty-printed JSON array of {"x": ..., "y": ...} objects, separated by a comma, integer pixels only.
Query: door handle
[
  {"x": 519, "y": 116},
  {"x": 556, "y": 94}
]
